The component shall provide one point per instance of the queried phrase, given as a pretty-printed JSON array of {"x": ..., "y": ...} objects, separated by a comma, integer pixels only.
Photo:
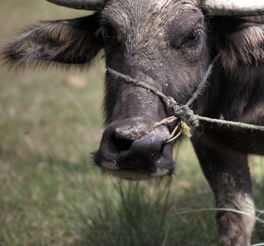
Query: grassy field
[{"x": 50, "y": 191}]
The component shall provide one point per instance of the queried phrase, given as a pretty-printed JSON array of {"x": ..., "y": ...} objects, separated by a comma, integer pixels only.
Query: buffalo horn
[
  {"x": 233, "y": 7},
  {"x": 80, "y": 4}
]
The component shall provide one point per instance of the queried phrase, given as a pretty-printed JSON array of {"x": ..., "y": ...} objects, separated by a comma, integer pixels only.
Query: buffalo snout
[{"x": 132, "y": 148}]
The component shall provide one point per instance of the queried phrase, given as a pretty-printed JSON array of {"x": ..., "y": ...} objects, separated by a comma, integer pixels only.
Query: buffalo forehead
[{"x": 127, "y": 14}]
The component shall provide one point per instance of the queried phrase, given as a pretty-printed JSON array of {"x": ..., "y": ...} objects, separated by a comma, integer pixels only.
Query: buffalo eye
[
  {"x": 107, "y": 32},
  {"x": 190, "y": 40},
  {"x": 110, "y": 34}
]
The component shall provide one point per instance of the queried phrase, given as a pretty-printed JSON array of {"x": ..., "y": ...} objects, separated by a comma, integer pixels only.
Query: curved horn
[
  {"x": 80, "y": 4},
  {"x": 233, "y": 7}
]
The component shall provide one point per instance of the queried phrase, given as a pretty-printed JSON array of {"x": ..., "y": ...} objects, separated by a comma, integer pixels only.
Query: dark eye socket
[
  {"x": 107, "y": 32},
  {"x": 189, "y": 41},
  {"x": 192, "y": 38},
  {"x": 110, "y": 34}
]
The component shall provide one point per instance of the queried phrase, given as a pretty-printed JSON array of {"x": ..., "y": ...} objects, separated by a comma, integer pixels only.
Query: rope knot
[
  {"x": 187, "y": 115},
  {"x": 184, "y": 113}
]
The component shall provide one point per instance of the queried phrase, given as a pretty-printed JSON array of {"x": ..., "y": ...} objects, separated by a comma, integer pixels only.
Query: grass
[{"x": 51, "y": 193}]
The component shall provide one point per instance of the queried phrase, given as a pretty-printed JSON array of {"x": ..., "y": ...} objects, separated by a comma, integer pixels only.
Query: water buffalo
[{"x": 169, "y": 44}]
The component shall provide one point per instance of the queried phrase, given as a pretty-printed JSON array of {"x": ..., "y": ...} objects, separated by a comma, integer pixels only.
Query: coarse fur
[
  {"x": 239, "y": 41},
  {"x": 168, "y": 44},
  {"x": 54, "y": 43}
]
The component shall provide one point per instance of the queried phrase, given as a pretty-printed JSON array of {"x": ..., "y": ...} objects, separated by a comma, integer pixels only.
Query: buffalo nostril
[
  {"x": 123, "y": 137},
  {"x": 143, "y": 154},
  {"x": 136, "y": 141},
  {"x": 120, "y": 144}
]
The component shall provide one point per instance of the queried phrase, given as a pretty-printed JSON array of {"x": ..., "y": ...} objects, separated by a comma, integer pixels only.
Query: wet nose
[
  {"x": 150, "y": 144},
  {"x": 138, "y": 139},
  {"x": 137, "y": 147},
  {"x": 126, "y": 136},
  {"x": 143, "y": 154}
]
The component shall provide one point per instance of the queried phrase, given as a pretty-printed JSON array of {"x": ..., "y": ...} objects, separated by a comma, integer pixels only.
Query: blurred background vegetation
[{"x": 50, "y": 191}]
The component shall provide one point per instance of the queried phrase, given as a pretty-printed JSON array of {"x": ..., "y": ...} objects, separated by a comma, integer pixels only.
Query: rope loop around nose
[{"x": 183, "y": 114}]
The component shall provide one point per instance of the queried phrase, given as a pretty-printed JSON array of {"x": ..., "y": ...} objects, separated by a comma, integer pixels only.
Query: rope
[
  {"x": 232, "y": 123},
  {"x": 138, "y": 83},
  {"x": 184, "y": 114},
  {"x": 202, "y": 85}
]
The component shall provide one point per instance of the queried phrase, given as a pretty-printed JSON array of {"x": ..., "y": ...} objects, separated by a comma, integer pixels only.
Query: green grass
[{"x": 51, "y": 193}]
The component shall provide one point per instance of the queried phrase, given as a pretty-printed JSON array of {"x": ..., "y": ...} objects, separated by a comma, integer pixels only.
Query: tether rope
[{"x": 189, "y": 121}]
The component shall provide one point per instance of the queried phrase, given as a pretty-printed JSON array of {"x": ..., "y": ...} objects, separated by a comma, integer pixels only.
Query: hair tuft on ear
[{"x": 54, "y": 43}]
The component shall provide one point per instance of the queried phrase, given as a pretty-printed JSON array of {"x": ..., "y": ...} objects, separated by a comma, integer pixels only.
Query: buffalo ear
[
  {"x": 238, "y": 41},
  {"x": 63, "y": 42}
]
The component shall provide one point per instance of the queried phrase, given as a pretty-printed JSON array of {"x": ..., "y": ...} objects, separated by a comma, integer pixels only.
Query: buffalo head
[{"x": 161, "y": 42}]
